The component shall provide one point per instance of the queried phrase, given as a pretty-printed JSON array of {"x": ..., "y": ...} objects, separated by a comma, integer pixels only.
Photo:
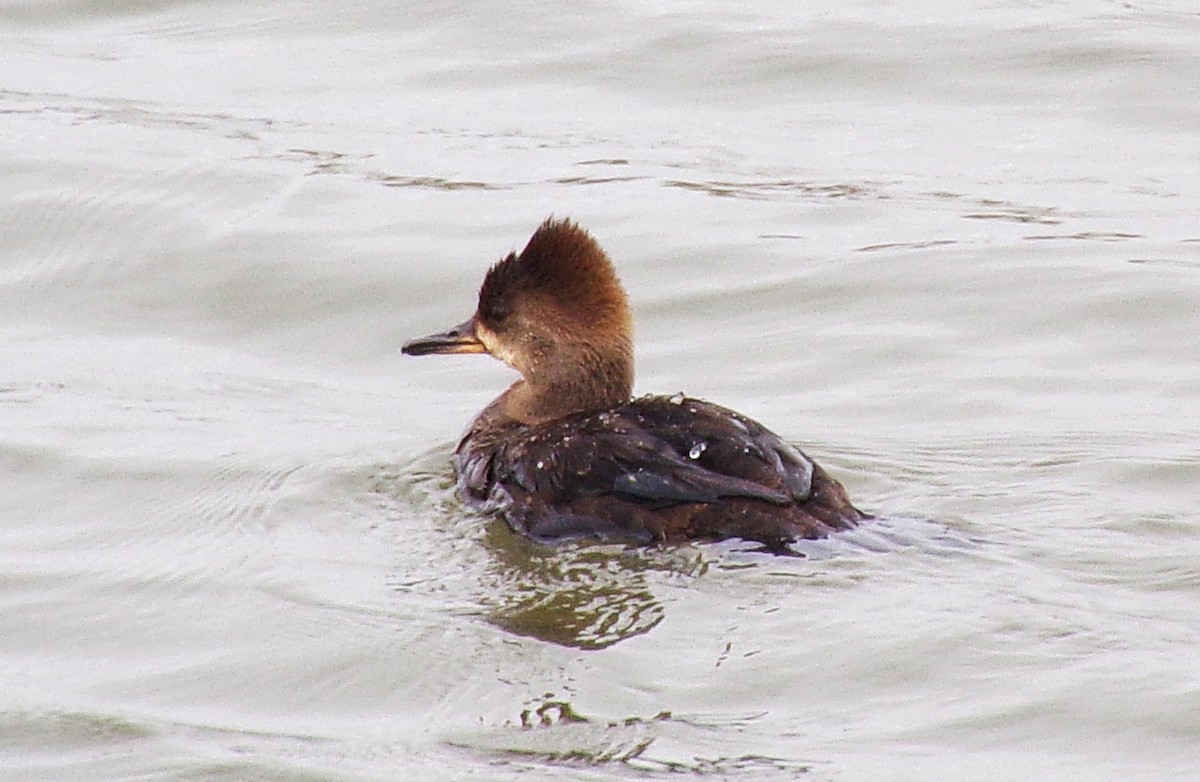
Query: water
[{"x": 951, "y": 253}]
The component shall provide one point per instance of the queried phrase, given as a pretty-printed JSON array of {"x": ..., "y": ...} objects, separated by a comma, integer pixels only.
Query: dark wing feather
[
  {"x": 655, "y": 468},
  {"x": 657, "y": 451}
]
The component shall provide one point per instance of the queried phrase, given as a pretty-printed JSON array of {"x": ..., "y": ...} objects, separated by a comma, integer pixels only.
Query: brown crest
[{"x": 562, "y": 265}]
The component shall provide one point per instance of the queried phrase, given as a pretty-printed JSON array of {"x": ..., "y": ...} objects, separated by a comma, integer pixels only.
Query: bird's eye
[{"x": 495, "y": 311}]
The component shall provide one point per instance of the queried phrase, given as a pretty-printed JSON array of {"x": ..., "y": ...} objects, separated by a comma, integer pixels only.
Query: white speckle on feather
[
  {"x": 697, "y": 449},
  {"x": 540, "y": 464},
  {"x": 677, "y": 398}
]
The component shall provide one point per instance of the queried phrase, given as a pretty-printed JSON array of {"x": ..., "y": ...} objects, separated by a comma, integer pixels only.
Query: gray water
[{"x": 951, "y": 251}]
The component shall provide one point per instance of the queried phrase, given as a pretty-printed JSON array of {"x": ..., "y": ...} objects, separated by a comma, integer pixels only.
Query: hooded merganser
[{"x": 564, "y": 452}]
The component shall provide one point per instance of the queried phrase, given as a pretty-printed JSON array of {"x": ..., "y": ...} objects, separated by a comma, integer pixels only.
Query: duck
[{"x": 567, "y": 453}]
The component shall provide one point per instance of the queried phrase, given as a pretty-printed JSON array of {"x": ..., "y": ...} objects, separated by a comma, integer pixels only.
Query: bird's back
[{"x": 654, "y": 469}]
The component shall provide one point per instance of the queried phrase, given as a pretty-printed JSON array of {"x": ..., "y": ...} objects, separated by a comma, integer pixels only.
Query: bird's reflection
[{"x": 584, "y": 596}]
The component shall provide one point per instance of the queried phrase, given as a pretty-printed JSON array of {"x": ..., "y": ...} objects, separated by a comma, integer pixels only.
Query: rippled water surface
[{"x": 953, "y": 253}]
